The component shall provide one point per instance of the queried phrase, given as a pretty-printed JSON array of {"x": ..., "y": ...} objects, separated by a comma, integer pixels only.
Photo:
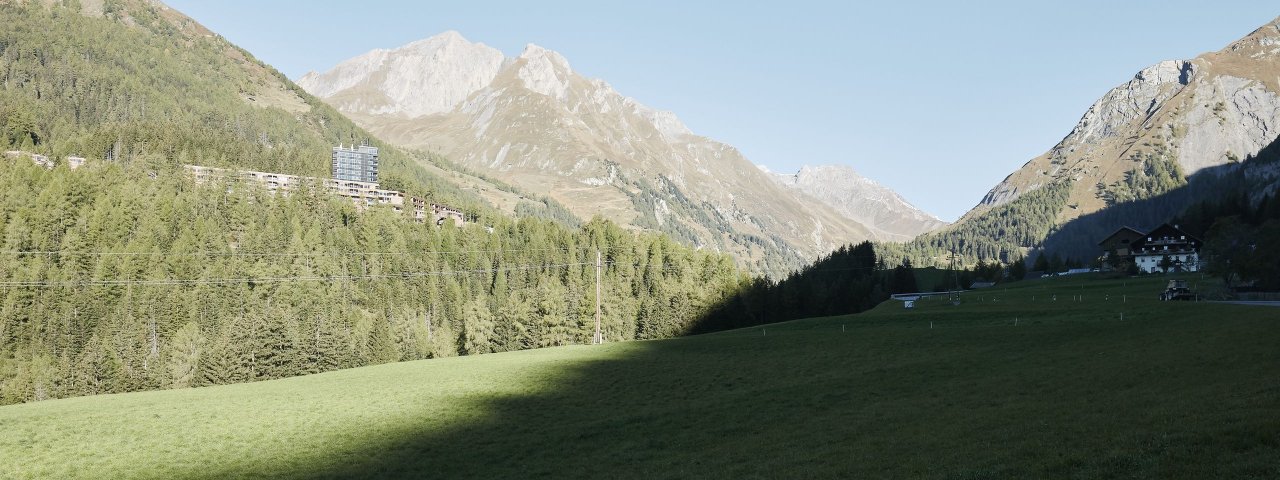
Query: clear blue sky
[{"x": 937, "y": 100}]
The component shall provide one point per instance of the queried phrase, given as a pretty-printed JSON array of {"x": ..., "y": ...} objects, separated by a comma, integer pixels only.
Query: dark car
[{"x": 1177, "y": 290}]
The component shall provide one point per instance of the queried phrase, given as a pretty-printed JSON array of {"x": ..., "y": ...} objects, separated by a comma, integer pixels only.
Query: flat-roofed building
[
  {"x": 355, "y": 163},
  {"x": 363, "y": 194}
]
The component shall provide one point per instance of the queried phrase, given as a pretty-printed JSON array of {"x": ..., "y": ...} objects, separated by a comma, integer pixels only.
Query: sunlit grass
[{"x": 1067, "y": 390}]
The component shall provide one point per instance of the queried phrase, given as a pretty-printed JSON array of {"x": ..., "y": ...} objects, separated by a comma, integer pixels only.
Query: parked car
[{"x": 1177, "y": 290}]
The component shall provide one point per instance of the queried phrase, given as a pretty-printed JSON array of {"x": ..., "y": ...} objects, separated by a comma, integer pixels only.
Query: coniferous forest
[
  {"x": 125, "y": 274},
  {"x": 113, "y": 281},
  {"x": 1000, "y": 234}
]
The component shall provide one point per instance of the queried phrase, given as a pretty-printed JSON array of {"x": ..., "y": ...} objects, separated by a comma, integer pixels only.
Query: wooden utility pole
[
  {"x": 598, "y": 338},
  {"x": 955, "y": 295}
]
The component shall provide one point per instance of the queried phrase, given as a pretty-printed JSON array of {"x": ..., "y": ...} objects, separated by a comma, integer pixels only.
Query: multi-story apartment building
[{"x": 356, "y": 163}]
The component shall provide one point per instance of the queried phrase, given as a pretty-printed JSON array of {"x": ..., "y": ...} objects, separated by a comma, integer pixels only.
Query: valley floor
[{"x": 1060, "y": 378}]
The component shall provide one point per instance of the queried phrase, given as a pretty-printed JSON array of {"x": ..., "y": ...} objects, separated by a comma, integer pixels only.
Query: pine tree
[
  {"x": 477, "y": 327},
  {"x": 184, "y": 357}
]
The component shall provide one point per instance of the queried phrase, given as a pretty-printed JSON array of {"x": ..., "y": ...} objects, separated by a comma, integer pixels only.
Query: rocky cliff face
[
  {"x": 1216, "y": 109},
  {"x": 887, "y": 214},
  {"x": 534, "y": 122},
  {"x": 389, "y": 82}
]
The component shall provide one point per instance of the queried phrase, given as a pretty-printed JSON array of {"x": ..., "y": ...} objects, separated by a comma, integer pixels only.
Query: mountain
[
  {"x": 534, "y": 122},
  {"x": 889, "y": 216},
  {"x": 1170, "y": 137},
  {"x": 1216, "y": 109},
  {"x": 124, "y": 273}
]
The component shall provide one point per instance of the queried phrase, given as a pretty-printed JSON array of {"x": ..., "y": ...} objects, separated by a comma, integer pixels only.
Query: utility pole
[
  {"x": 952, "y": 266},
  {"x": 955, "y": 296},
  {"x": 598, "y": 338}
]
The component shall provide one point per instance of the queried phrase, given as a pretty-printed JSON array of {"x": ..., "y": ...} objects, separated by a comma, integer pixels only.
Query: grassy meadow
[{"x": 1042, "y": 379}]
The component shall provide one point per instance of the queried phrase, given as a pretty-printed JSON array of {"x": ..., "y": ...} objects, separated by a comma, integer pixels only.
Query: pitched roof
[
  {"x": 1135, "y": 232},
  {"x": 1172, "y": 231}
]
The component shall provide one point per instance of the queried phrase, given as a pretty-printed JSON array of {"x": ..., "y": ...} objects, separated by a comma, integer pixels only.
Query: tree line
[
  {"x": 114, "y": 281},
  {"x": 1000, "y": 234}
]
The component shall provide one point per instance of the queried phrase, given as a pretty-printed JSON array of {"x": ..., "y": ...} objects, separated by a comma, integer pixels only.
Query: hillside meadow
[{"x": 1042, "y": 379}]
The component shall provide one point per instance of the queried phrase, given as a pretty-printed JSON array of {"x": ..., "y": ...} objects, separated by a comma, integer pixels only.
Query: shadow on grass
[
  {"x": 815, "y": 399},
  {"x": 1192, "y": 394}
]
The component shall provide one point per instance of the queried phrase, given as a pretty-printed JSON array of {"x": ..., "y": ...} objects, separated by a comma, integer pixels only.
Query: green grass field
[{"x": 1174, "y": 390}]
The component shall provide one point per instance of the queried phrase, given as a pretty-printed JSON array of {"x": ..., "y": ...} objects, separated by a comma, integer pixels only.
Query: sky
[{"x": 937, "y": 100}]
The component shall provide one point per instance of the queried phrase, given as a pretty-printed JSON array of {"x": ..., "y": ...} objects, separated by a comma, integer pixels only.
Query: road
[{"x": 1260, "y": 304}]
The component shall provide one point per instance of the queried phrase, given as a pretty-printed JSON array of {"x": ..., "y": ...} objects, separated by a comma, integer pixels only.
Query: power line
[
  {"x": 256, "y": 280},
  {"x": 693, "y": 267},
  {"x": 271, "y": 254}
]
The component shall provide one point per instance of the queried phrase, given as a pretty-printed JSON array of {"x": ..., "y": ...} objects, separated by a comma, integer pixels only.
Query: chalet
[
  {"x": 1120, "y": 244},
  {"x": 1167, "y": 249}
]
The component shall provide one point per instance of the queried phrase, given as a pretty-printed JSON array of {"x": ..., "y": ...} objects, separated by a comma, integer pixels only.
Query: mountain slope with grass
[
  {"x": 1009, "y": 384},
  {"x": 1172, "y": 120}
]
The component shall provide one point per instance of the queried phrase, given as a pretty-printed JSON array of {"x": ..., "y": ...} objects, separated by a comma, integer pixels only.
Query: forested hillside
[
  {"x": 1153, "y": 194},
  {"x": 112, "y": 282},
  {"x": 124, "y": 274},
  {"x": 143, "y": 84},
  {"x": 999, "y": 234},
  {"x": 848, "y": 280},
  {"x": 1245, "y": 183}
]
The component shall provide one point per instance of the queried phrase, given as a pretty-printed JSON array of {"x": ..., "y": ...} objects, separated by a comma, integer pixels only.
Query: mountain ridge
[
  {"x": 1178, "y": 133},
  {"x": 881, "y": 209},
  {"x": 541, "y": 125},
  {"x": 1214, "y": 109}
]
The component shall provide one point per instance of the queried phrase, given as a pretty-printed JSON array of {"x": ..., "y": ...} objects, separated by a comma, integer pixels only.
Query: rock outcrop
[{"x": 390, "y": 82}]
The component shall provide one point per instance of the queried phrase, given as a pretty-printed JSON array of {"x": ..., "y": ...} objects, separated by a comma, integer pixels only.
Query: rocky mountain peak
[
  {"x": 544, "y": 71},
  {"x": 442, "y": 38},
  {"x": 1138, "y": 98},
  {"x": 1168, "y": 71},
  {"x": 443, "y": 45},
  {"x": 1216, "y": 109},
  {"x": 671, "y": 128},
  {"x": 861, "y": 199},
  {"x": 447, "y": 65},
  {"x": 533, "y": 52}
]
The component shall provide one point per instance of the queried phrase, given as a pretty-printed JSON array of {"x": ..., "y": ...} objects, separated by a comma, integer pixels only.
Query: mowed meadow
[{"x": 1043, "y": 379}]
